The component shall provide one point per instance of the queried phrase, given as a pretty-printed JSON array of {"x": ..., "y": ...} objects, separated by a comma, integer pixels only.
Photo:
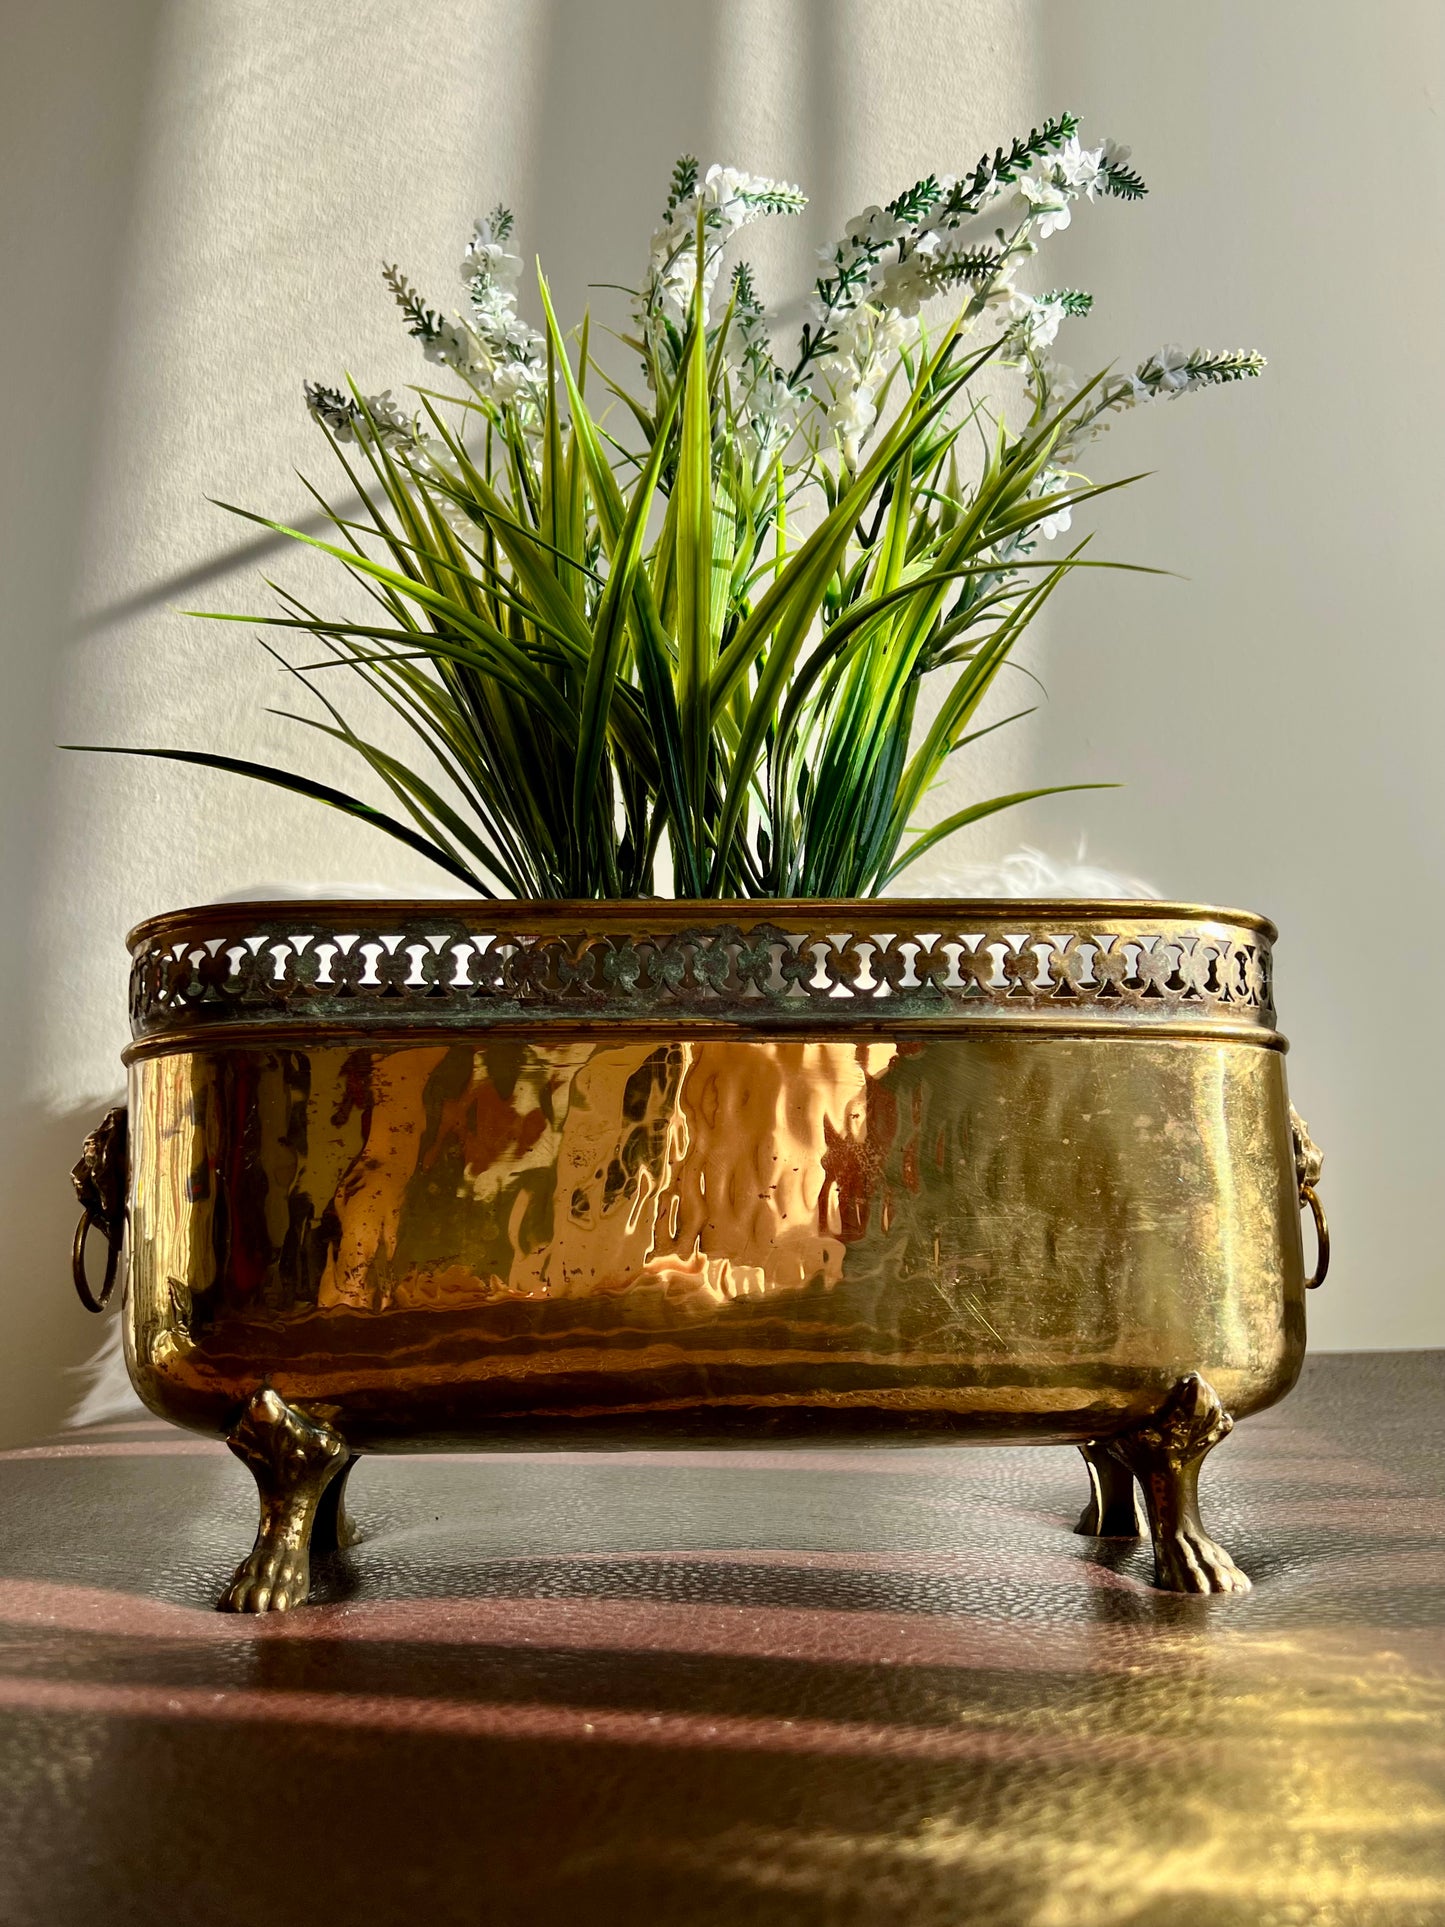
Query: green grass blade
[
  {"x": 303, "y": 786},
  {"x": 609, "y": 635},
  {"x": 694, "y": 538},
  {"x": 974, "y": 814}
]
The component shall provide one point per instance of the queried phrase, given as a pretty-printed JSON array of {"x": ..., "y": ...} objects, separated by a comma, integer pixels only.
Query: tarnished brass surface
[
  {"x": 1164, "y": 1454},
  {"x": 526, "y": 1175},
  {"x": 293, "y": 1460},
  {"x": 685, "y": 968},
  {"x": 1001, "y": 1234},
  {"x": 334, "y": 1529},
  {"x": 1112, "y": 1509}
]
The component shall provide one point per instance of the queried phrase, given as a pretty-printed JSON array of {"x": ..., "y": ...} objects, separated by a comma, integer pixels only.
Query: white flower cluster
[
  {"x": 1034, "y": 320},
  {"x": 1053, "y": 481},
  {"x": 1173, "y": 370},
  {"x": 1169, "y": 372},
  {"x": 378, "y": 420},
  {"x": 945, "y": 233},
  {"x": 350, "y": 420},
  {"x": 1055, "y": 182},
  {"x": 868, "y": 299},
  {"x": 765, "y": 406},
  {"x": 450, "y": 345},
  {"x": 847, "y": 385},
  {"x": 892, "y": 260},
  {"x": 727, "y": 200},
  {"x": 512, "y": 363},
  {"x": 496, "y": 353}
]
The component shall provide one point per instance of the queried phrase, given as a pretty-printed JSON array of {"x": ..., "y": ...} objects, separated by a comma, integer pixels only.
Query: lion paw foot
[
  {"x": 294, "y": 1460},
  {"x": 1188, "y": 1560},
  {"x": 285, "y": 1446},
  {"x": 272, "y": 1580}
]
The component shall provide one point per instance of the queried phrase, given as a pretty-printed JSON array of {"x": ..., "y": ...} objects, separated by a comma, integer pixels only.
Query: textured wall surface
[{"x": 196, "y": 200}]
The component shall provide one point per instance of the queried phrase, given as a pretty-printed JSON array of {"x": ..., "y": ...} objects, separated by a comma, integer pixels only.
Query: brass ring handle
[
  {"x": 88, "y": 1298},
  {"x": 100, "y": 1180},
  {"x": 1308, "y": 1163},
  {"x": 1311, "y": 1197}
]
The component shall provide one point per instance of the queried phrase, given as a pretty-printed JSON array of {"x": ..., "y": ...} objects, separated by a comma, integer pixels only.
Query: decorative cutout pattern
[{"x": 871, "y": 963}]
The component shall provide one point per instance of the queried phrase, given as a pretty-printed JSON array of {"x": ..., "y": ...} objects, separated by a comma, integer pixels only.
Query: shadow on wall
[
  {"x": 583, "y": 235},
  {"x": 169, "y": 591},
  {"x": 75, "y": 86}
]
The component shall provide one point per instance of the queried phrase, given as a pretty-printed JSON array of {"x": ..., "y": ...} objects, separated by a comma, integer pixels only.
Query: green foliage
[
  {"x": 1007, "y": 165},
  {"x": 1123, "y": 183},
  {"x": 916, "y": 201},
  {"x": 683, "y": 184},
  {"x": 697, "y": 625},
  {"x": 422, "y": 323},
  {"x": 1073, "y": 301},
  {"x": 1205, "y": 370}
]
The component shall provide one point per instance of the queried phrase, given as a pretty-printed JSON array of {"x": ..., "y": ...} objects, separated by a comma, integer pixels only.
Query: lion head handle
[
  {"x": 1309, "y": 1159},
  {"x": 99, "y": 1179}
]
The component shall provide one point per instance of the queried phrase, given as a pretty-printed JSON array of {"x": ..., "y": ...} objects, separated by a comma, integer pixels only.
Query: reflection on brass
[
  {"x": 1112, "y": 1511},
  {"x": 293, "y": 1459},
  {"x": 658, "y": 1173},
  {"x": 99, "y": 1180},
  {"x": 1165, "y": 1455},
  {"x": 1309, "y": 1161}
]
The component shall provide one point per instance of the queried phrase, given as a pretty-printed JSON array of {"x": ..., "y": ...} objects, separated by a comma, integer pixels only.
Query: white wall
[{"x": 196, "y": 197}]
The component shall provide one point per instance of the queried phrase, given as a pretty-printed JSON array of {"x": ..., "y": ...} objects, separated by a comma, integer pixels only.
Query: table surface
[{"x": 735, "y": 1687}]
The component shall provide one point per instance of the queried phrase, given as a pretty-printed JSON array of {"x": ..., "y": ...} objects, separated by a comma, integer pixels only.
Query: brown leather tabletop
[{"x": 744, "y": 1687}]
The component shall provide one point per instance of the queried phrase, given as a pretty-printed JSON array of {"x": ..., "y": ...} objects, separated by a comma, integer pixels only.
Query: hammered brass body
[
  {"x": 1014, "y": 1188},
  {"x": 444, "y": 1243}
]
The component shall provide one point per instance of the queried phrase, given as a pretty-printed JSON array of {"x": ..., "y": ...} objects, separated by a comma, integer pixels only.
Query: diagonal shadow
[
  {"x": 223, "y": 563},
  {"x": 572, "y": 53}
]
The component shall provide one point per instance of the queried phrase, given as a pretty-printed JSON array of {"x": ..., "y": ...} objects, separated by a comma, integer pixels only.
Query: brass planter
[{"x": 410, "y": 1175}]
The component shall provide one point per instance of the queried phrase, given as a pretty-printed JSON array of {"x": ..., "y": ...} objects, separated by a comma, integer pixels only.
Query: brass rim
[
  {"x": 760, "y": 966},
  {"x": 554, "y": 914}
]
